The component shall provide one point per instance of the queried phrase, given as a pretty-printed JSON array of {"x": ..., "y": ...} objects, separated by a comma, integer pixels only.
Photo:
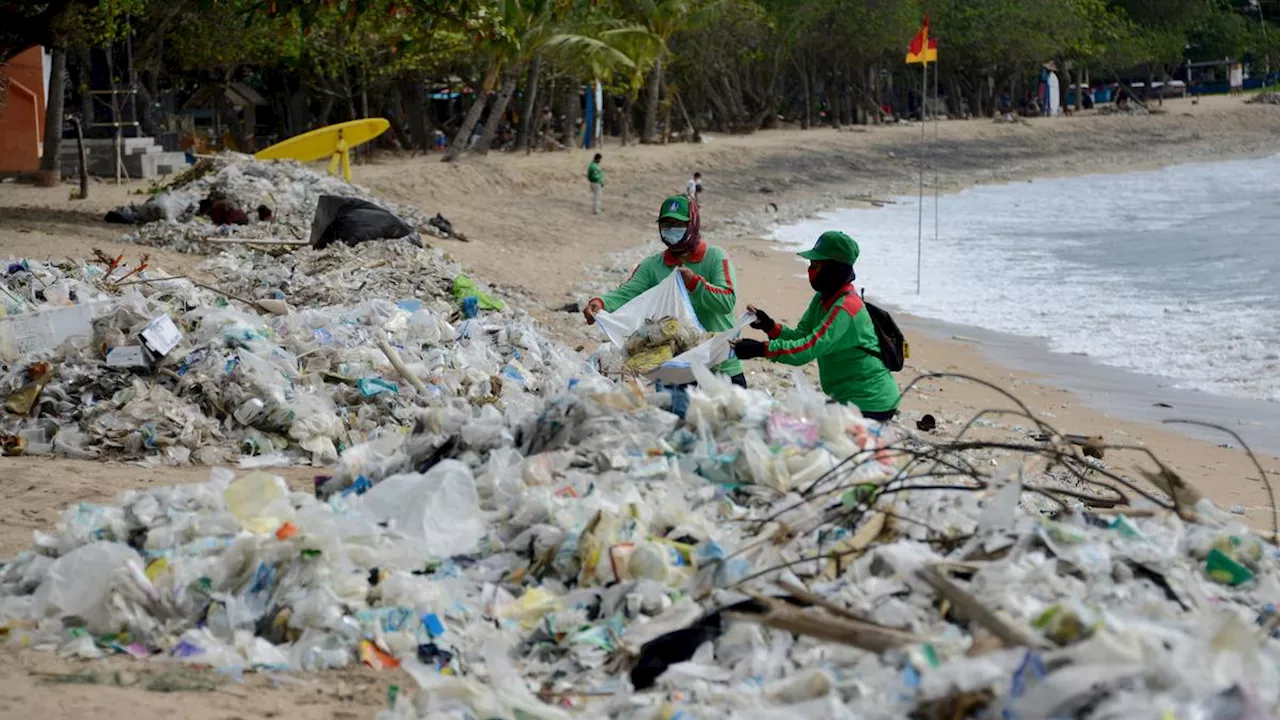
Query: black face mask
[{"x": 831, "y": 278}]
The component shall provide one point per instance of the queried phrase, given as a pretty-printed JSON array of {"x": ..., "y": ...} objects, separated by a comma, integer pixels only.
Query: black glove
[
  {"x": 749, "y": 349},
  {"x": 763, "y": 322}
]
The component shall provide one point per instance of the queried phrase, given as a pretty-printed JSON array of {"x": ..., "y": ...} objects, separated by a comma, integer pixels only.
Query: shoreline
[{"x": 1127, "y": 393}]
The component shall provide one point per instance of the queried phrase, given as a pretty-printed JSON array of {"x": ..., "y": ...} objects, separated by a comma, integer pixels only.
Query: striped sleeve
[
  {"x": 717, "y": 293},
  {"x": 641, "y": 279},
  {"x": 833, "y": 333},
  {"x": 802, "y": 329}
]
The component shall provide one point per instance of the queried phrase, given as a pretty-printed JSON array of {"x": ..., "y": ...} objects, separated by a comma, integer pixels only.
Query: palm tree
[
  {"x": 613, "y": 53},
  {"x": 663, "y": 19},
  {"x": 522, "y": 31}
]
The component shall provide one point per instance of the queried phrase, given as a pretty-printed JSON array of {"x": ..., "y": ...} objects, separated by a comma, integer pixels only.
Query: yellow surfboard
[{"x": 332, "y": 141}]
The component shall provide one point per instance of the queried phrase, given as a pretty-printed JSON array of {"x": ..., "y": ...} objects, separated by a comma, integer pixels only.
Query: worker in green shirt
[
  {"x": 595, "y": 176},
  {"x": 705, "y": 270},
  {"x": 836, "y": 330}
]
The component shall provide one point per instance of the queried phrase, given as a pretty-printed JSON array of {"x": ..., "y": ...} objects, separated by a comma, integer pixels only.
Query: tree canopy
[{"x": 476, "y": 68}]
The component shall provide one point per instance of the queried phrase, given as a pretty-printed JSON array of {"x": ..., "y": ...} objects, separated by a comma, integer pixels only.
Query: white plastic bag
[
  {"x": 440, "y": 510},
  {"x": 669, "y": 298},
  {"x": 679, "y": 369},
  {"x": 79, "y": 584}
]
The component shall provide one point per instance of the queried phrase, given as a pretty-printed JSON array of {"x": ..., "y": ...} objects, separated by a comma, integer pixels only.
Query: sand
[{"x": 532, "y": 234}]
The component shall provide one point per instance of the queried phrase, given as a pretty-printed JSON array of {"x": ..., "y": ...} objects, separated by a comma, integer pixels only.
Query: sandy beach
[{"x": 532, "y": 235}]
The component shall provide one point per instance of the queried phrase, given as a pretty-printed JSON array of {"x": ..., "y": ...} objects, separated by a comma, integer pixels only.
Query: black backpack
[{"x": 893, "y": 346}]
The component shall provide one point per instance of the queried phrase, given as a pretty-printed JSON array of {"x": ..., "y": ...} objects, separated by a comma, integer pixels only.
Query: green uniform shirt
[
  {"x": 594, "y": 173},
  {"x": 841, "y": 336},
  {"x": 714, "y": 298}
]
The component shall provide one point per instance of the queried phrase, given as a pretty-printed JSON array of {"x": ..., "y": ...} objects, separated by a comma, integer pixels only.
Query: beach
[{"x": 532, "y": 236}]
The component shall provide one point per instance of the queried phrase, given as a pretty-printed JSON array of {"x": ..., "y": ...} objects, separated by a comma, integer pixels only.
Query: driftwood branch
[
  {"x": 398, "y": 364},
  {"x": 1011, "y": 634},
  {"x": 856, "y": 633}
]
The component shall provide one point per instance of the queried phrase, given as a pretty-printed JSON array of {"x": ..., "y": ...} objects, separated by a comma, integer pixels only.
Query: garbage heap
[
  {"x": 284, "y": 359},
  {"x": 289, "y": 189},
  {"x": 604, "y": 558}
]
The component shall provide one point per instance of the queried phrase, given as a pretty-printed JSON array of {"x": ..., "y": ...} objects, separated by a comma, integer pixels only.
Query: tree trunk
[
  {"x": 572, "y": 110},
  {"x": 627, "y": 105},
  {"x": 832, "y": 101},
  {"x": 394, "y": 111},
  {"x": 973, "y": 94},
  {"x": 326, "y": 108},
  {"x": 473, "y": 116},
  {"x": 144, "y": 116},
  {"x": 496, "y": 112},
  {"x": 850, "y": 114},
  {"x": 51, "y": 161},
  {"x": 298, "y": 112},
  {"x": 84, "y": 83},
  {"x": 1064, "y": 85},
  {"x": 529, "y": 108},
  {"x": 84, "y": 162},
  {"x": 954, "y": 95},
  {"x": 650, "y": 133},
  {"x": 806, "y": 120},
  {"x": 415, "y": 98},
  {"x": 666, "y": 123},
  {"x": 875, "y": 93}
]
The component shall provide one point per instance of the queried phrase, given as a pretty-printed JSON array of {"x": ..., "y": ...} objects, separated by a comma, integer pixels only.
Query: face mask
[
  {"x": 813, "y": 278},
  {"x": 671, "y": 235}
]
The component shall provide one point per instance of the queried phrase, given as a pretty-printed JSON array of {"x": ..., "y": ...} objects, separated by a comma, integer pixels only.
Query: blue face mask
[{"x": 671, "y": 235}]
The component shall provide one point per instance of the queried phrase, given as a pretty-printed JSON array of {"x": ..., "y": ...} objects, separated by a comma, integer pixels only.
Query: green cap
[
  {"x": 835, "y": 246},
  {"x": 675, "y": 207}
]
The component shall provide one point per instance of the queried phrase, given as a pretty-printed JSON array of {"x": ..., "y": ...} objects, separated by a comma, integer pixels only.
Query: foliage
[{"x": 735, "y": 64}]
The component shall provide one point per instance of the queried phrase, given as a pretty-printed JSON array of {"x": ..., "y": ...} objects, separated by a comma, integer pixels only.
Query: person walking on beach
[
  {"x": 705, "y": 269},
  {"x": 836, "y": 330},
  {"x": 693, "y": 188},
  {"x": 595, "y": 176}
]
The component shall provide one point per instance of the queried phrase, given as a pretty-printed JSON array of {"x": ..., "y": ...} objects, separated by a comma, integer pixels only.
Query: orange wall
[{"x": 22, "y": 118}]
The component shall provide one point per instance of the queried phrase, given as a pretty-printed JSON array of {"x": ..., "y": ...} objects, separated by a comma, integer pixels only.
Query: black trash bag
[
  {"x": 353, "y": 221},
  {"x": 678, "y": 646}
]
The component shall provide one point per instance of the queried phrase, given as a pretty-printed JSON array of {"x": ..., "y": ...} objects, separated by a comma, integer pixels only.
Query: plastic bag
[
  {"x": 668, "y": 298},
  {"x": 439, "y": 511},
  {"x": 79, "y": 585},
  {"x": 679, "y": 370}
]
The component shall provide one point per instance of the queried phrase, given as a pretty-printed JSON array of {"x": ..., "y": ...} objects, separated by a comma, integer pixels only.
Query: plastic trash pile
[
  {"x": 291, "y": 190},
  {"x": 551, "y": 567},
  {"x": 291, "y": 360}
]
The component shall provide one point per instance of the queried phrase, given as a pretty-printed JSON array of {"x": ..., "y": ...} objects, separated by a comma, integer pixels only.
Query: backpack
[{"x": 894, "y": 349}]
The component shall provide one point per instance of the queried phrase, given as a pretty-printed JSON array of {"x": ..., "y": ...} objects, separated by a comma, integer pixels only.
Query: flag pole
[
  {"x": 936, "y": 191},
  {"x": 924, "y": 114}
]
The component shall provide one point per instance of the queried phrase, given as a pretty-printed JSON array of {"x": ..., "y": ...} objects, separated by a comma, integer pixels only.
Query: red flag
[{"x": 922, "y": 48}]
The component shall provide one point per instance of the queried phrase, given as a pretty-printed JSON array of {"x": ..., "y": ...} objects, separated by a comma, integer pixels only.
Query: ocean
[{"x": 1172, "y": 273}]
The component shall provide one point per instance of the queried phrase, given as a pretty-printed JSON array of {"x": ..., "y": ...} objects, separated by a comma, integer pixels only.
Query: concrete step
[
  {"x": 128, "y": 146},
  {"x": 154, "y": 164},
  {"x": 102, "y": 162}
]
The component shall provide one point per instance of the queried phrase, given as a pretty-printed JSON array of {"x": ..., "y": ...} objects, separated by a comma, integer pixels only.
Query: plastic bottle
[
  {"x": 249, "y": 411},
  {"x": 649, "y": 561},
  {"x": 259, "y": 502}
]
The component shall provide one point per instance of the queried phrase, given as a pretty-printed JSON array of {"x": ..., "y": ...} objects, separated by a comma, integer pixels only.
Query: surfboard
[{"x": 322, "y": 143}]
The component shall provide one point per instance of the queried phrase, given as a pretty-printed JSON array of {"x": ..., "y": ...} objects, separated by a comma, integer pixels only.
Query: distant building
[{"x": 24, "y": 86}]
